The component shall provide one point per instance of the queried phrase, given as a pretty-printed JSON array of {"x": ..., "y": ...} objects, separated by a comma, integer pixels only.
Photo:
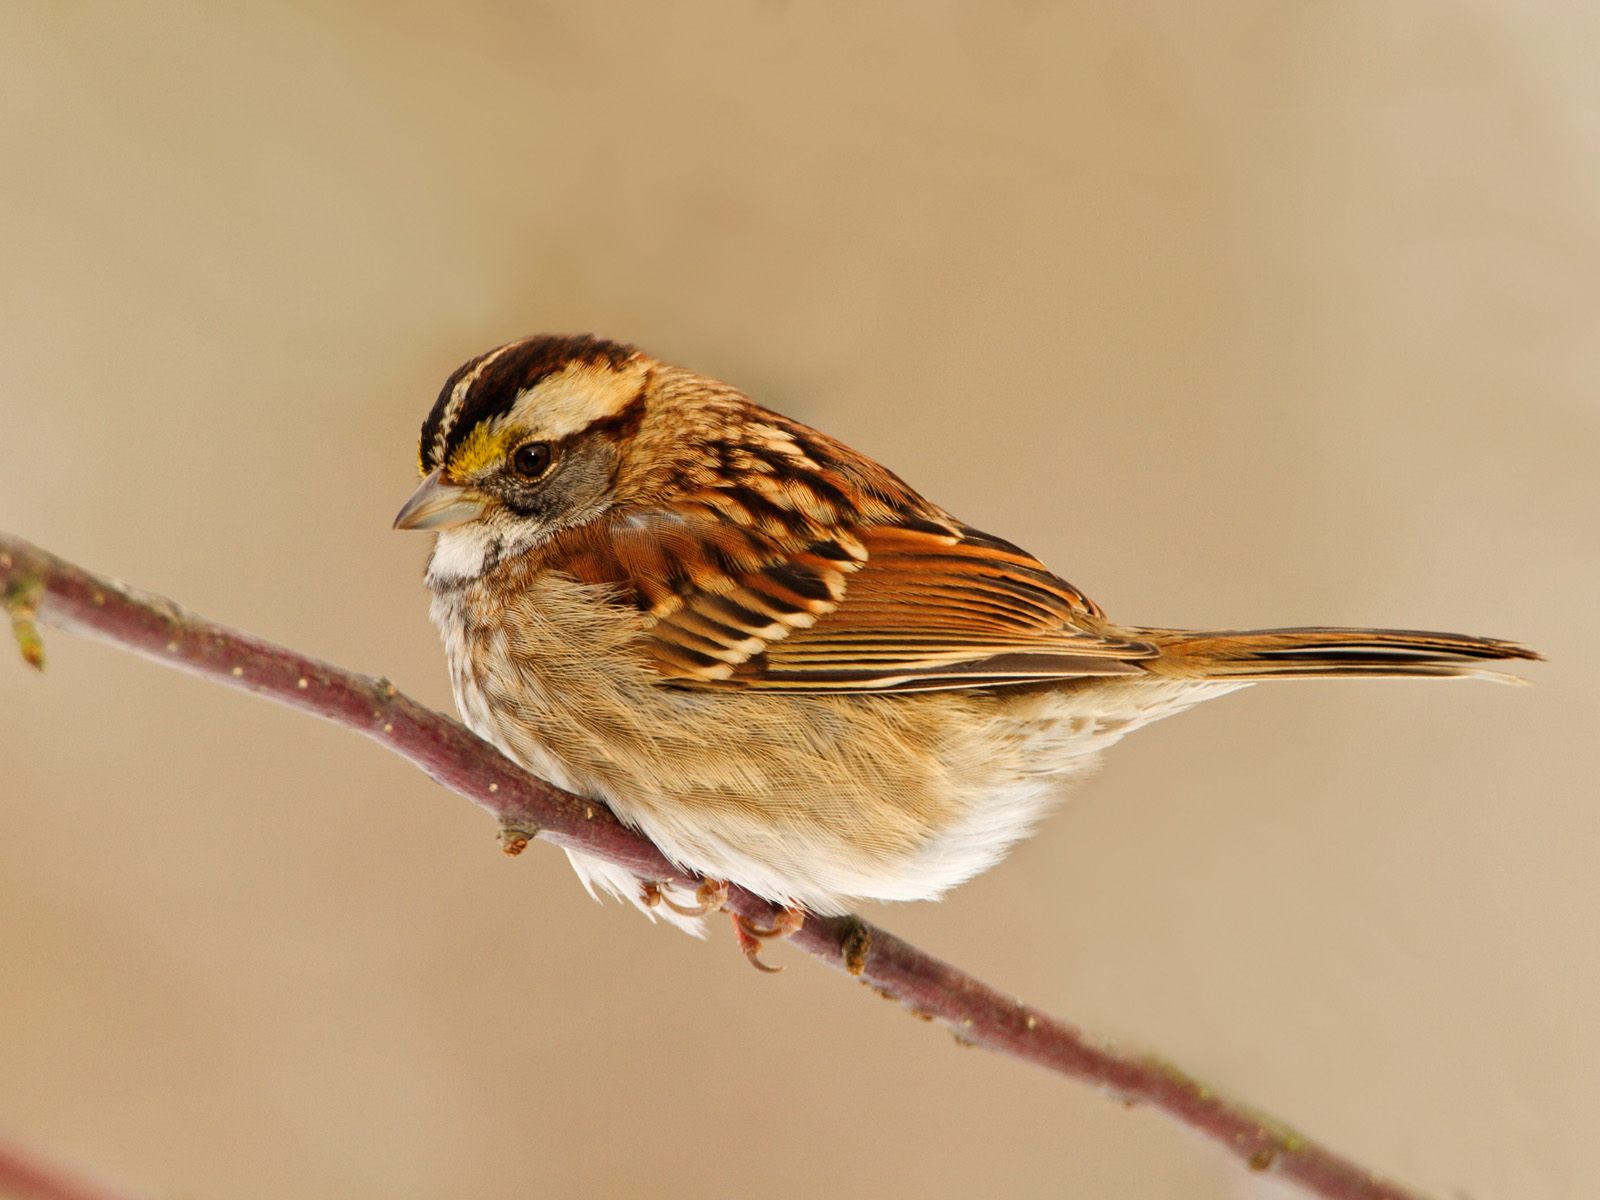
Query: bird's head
[
  {"x": 555, "y": 433},
  {"x": 522, "y": 442}
]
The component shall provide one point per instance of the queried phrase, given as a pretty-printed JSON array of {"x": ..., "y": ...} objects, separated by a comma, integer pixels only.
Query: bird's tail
[{"x": 1325, "y": 653}]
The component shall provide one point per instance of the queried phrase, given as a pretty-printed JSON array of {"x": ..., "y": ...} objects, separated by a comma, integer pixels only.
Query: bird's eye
[{"x": 531, "y": 459}]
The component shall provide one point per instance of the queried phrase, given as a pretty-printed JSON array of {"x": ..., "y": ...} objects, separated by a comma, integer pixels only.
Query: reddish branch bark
[
  {"x": 26, "y": 1175},
  {"x": 38, "y": 585}
]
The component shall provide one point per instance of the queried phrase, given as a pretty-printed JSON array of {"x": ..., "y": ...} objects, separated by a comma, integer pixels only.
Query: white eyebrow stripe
[
  {"x": 458, "y": 397},
  {"x": 575, "y": 397}
]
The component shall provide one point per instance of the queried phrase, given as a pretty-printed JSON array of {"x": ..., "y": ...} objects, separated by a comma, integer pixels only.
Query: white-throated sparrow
[{"x": 770, "y": 655}]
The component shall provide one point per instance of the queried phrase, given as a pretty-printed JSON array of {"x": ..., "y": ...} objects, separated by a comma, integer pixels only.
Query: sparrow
[{"x": 770, "y": 655}]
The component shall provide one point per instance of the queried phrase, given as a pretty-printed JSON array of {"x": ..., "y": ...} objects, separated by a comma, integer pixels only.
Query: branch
[
  {"x": 38, "y": 585},
  {"x": 26, "y": 1175}
]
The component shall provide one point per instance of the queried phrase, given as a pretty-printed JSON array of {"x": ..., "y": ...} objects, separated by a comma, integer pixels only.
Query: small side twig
[
  {"x": 21, "y": 597},
  {"x": 38, "y": 584}
]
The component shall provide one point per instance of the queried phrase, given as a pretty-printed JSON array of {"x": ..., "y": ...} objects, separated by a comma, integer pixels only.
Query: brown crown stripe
[{"x": 520, "y": 367}]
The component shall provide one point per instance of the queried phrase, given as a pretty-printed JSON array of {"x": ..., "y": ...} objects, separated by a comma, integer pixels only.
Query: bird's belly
[
  {"x": 808, "y": 817},
  {"x": 806, "y": 799}
]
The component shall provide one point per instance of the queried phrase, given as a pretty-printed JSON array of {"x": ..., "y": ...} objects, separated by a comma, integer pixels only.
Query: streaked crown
[{"x": 493, "y": 386}]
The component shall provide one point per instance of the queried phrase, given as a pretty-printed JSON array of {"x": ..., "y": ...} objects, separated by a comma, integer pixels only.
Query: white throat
[{"x": 461, "y": 554}]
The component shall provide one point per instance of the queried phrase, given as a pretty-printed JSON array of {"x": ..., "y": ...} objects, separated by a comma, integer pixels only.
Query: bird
[{"x": 770, "y": 655}]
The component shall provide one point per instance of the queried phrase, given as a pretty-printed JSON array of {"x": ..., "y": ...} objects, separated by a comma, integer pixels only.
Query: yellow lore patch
[
  {"x": 558, "y": 407},
  {"x": 483, "y": 448}
]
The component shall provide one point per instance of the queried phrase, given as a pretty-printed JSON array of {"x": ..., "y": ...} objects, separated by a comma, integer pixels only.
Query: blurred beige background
[{"x": 1243, "y": 314}]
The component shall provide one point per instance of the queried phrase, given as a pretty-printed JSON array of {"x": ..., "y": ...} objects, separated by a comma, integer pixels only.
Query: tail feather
[{"x": 1318, "y": 653}]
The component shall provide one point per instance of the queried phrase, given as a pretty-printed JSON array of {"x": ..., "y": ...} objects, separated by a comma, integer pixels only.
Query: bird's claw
[
  {"x": 751, "y": 937},
  {"x": 709, "y": 897}
]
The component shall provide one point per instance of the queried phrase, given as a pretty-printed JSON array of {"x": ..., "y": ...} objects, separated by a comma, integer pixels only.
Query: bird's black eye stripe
[{"x": 532, "y": 459}]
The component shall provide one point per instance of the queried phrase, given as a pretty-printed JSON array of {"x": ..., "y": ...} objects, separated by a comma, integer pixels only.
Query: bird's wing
[{"x": 911, "y": 604}]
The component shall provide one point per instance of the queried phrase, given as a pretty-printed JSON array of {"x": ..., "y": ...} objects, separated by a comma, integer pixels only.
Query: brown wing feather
[
  {"x": 940, "y": 607},
  {"x": 714, "y": 592},
  {"x": 917, "y": 604},
  {"x": 792, "y": 563}
]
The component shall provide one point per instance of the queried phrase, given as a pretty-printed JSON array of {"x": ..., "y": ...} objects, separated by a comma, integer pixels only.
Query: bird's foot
[
  {"x": 709, "y": 897},
  {"x": 751, "y": 937}
]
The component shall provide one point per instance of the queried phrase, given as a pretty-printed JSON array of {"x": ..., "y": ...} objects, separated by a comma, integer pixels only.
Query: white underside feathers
[
  {"x": 812, "y": 801},
  {"x": 597, "y": 875}
]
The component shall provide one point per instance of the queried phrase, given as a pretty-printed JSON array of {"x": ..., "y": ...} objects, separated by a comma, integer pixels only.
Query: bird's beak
[{"x": 439, "y": 505}]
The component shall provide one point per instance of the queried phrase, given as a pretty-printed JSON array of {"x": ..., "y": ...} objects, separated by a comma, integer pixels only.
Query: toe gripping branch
[
  {"x": 751, "y": 937},
  {"x": 711, "y": 897}
]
